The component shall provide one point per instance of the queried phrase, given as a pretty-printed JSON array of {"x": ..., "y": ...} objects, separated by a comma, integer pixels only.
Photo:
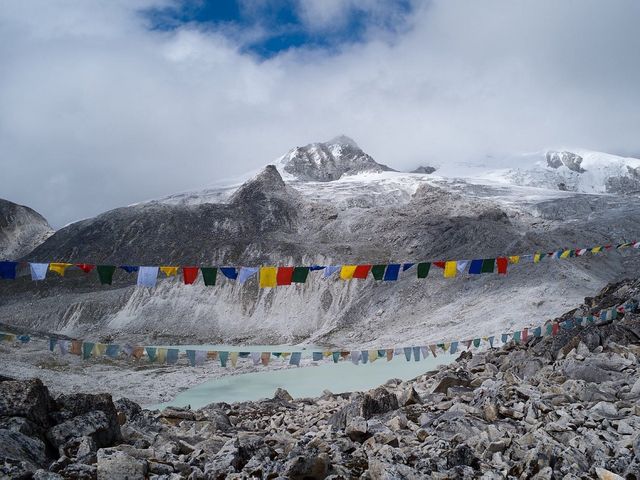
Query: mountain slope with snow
[{"x": 371, "y": 216}]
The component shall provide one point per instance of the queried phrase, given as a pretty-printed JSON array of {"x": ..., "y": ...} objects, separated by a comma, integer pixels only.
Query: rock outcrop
[{"x": 566, "y": 406}]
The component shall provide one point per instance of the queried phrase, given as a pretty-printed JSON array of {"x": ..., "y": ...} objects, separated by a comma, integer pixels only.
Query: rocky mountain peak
[
  {"x": 21, "y": 230},
  {"x": 329, "y": 161},
  {"x": 265, "y": 184},
  {"x": 569, "y": 159}
]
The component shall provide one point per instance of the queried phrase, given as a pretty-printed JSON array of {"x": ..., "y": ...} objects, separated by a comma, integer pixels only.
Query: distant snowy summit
[
  {"x": 21, "y": 230},
  {"x": 579, "y": 171},
  {"x": 328, "y": 161}
]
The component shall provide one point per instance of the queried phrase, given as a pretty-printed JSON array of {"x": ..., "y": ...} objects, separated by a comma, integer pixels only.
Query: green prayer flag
[
  {"x": 300, "y": 274},
  {"x": 423, "y": 269},
  {"x": 488, "y": 265},
  {"x": 378, "y": 271},
  {"x": 209, "y": 274},
  {"x": 476, "y": 342},
  {"x": 105, "y": 273}
]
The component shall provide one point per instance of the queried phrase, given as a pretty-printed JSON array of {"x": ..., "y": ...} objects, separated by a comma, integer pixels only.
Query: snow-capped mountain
[
  {"x": 332, "y": 204},
  {"x": 21, "y": 230},
  {"x": 327, "y": 161},
  {"x": 578, "y": 171}
]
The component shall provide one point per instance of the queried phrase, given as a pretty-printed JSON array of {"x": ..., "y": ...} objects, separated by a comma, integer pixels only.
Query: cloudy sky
[{"x": 106, "y": 103}]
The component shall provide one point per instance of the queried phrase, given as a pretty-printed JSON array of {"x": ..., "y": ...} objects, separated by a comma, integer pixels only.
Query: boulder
[
  {"x": 29, "y": 399},
  {"x": 357, "y": 430},
  {"x": 303, "y": 467},
  {"x": 104, "y": 430},
  {"x": 116, "y": 465},
  {"x": 282, "y": 394},
  {"x": 18, "y": 447},
  {"x": 374, "y": 402},
  {"x": 451, "y": 380},
  {"x": 130, "y": 408}
]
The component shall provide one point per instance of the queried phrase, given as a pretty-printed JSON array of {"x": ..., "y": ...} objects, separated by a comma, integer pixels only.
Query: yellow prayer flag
[
  {"x": 99, "y": 349},
  {"x": 514, "y": 259},
  {"x": 233, "y": 357},
  {"x": 536, "y": 257},
  {"x": 373, "y": 355},
  {"x": 59, "y": 268},
  {"x": 596, "y": 249},
  {"x": 450, "y": 269},
  {"x": 161, "y": 355},
  {"x": 347, "y": 271},
  {"x": 565, "y": 254},
  {"x": 169, "y": 271},
  {"x": 268, "y": 277}
]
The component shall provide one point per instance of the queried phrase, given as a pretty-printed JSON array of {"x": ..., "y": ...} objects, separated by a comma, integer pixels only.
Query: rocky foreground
[{"x": 560, "y": 407}]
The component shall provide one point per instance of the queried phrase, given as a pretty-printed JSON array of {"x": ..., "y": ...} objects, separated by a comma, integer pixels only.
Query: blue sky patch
[{"x": 269, "y": 27}]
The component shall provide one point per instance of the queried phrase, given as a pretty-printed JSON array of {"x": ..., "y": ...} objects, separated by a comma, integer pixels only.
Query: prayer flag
[
  {"x": 425, "y": 351},
  {"x": 284, "y": 275},
  {"x": 52, "y": 343},
  {"x": 76, "y": 347},
  {"x": 505, "y": 338},
  {"x": 129, "y": 268},
  {"x": 191, "y": 355},
  {"x": 151, "y": 353},
  {"x": 8, "y": 270},
  {"x": 450, "y": 269},
  {"x": 336, "y": 357},
  {"x": 516, "y": 336},
  {"x": 596, "y": 249},
  {"x": 233, "y": 356},
  {"x": 423, "y": 269},
  {"x": 364, "y": 356},
  {"x": 223, "y": 356},
  {"x": 265, "y": 357},
  {"x": 407, "y": 353},
  {"x": 362, "y": 271},
  {"x": 316, "y": 356},
  {"x": 295, "y": 358},
  {"x": 147, "y": 277},
  {"x": 439, "y": 264},
  {"x": 488, "y": 264},
  {"x": 255, "y": 358},
  {"x": 346, "y": 272},
  {"x": 491, "y": 338},
  {"x": 454, "y": 348},
  {"x": 433, "y": 350},
  {"x": 59, "y": 268},
  {"x": 502, "y": 263},
  {"x": 85, "y": 267},
  {"x": 209, "y": 275},
  {"x": 246, "y": 273},
  {"x": 355, "y": 356},
  {"x": 514, "y": 259},
  {"x": 476, "y": 267},
  {"x": 137, "y": 352},
  {"x": 407, "y": 266},
  {"x": 300, "y": 274},
  {"x": 99, "y": 349},
  {"x": 268, "y": 277},
  {"x": 373, "y": 355},
  {"x": 389, "y": 354},
  {"x": 105, "y": 274},
  {"x": 378, "y": 271},
  {"x": 392, "y": 272},
  {"x": 330, "y": 270},
  {"x": 525, "y": 334},
  {"x": 112, "y": 350},
  {"x": 189, "y": 275},
  {"x": 169, "y": 271},
  {"x": 23, "y": 338},
  {"x": 416, "y": 354},
  {"x": 64, "y": 346},
  {"x": 38, "y": 270},
  {"x": 230, "y": 272},
  {"x": 476, "y": 342},
  {"x": 87, "y": 348},
  {"x": 536, "y": 257},
  {"x": 461, "y": 265},
  {"x": 161, "y": 355},
  {"x": 565, "y": 254}
]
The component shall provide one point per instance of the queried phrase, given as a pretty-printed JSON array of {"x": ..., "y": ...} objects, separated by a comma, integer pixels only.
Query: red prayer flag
[
  {"x": 189, "y": 274},
  {"x": 525, "y": 335},
  {"x": 85, "y": 267},
  {"x": 555, "y": 328},
  {"x": 502, "y": 263},
  {"x": 284, "y": 275},
  {"x": 438, "y": 264},
  {"x": 362, "y": 271}
]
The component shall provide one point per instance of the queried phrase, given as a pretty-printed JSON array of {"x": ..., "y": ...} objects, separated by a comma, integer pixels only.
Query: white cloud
[{"x": 98, "y": 111}]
